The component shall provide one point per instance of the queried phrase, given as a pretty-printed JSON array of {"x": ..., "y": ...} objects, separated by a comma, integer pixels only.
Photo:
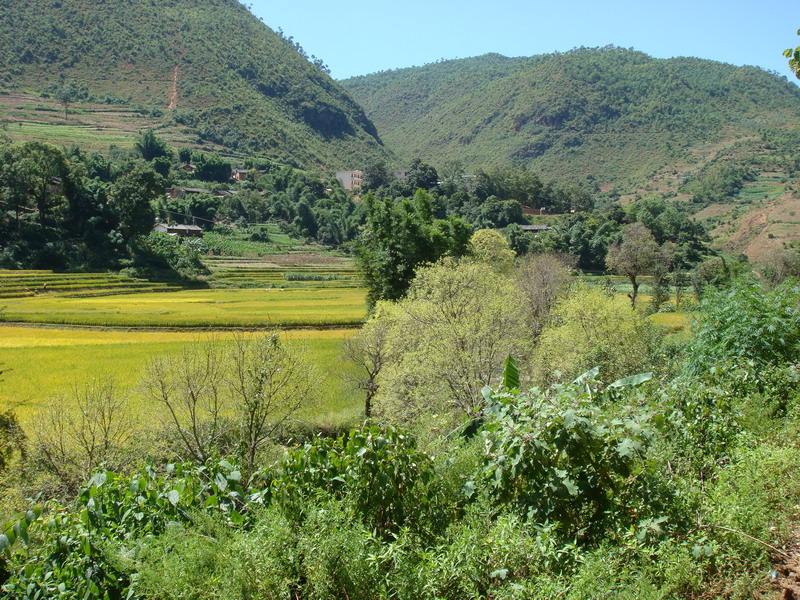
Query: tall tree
[
  {"x": 421, "y": 176},
  {"x": 133, "y": 195},
  {"x": 634, "y": 255},
  {"x": 150, "y": 146},
  {"x": 376, "y": 175},
  {"x": 400, "y": 236}
]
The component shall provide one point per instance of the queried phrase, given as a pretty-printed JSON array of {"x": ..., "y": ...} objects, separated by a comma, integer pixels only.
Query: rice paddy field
[
  {"x": 245, "y": 293},
  {"x": 205, "y": 308},
  {"x": 62, "y": 330},
  {"x": 42, "y": 365}
]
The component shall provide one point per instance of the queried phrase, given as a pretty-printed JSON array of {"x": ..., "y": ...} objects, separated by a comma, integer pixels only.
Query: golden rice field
[
  {"x": 43, "y": 364},
  {"x": 328, "y": 306}
]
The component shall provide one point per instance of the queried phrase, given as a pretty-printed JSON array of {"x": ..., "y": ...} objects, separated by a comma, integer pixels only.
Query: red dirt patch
[
  {"x": 173, "y": 96},
  {"x": 786, "y": 574}
]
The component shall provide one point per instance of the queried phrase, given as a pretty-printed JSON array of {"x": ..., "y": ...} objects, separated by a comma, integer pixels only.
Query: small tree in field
[
  {"x": 268, "y": 382},
  {"x": 369, "y": 351},
  {"x": 94, "y": 431},
  {"x": 636, "y": 254},
  {"x": 220, "y": 397},
  {"x": 189, "y": 388},
  {"x": 66, "y": 95}
]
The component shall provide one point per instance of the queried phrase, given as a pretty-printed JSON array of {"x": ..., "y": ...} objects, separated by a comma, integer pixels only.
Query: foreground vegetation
[{"x": 528, "y": 436}]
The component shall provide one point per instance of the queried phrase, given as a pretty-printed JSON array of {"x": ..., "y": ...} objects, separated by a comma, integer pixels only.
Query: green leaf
[
  {"x": 173, "y": 496},
  {"x": 98, "y": 479},
  {"x": 510, "y": 374},
  {"x": 632, "y": 380},
  {"x": 571, "y": 487},
  {"x": 5, "y": 543},
  {"x": 588, "y": 376}
]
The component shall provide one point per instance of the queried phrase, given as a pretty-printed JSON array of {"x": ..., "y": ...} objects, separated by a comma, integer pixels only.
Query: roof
[
  {"x": 186, "y": 227},
  {"x": 535, "y": 227}
]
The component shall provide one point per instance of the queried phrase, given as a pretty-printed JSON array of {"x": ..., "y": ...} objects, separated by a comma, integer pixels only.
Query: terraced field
[
  {"x": 265, "y": 273},
  {"x": 42, "y": 366},
  {"x": 44, "y": 361},
  {"x": 93, "y": 126},
  {"x": 20, "y": 284},
  {"x": 287, "y": 290}
]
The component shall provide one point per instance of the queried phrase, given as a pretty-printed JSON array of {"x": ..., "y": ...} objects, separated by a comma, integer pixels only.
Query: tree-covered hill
[
  {"x": 208, "y": 66},
  {"x": 617, "y": 115}
]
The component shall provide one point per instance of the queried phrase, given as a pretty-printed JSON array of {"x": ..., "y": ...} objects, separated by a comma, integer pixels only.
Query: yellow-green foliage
[
  {"x": 43, "y": 364},
  {"x": 491, "y": 247},
  {"x": 590, "y": 328},
  {"x": 449, "y": 338},
  {"x": 196, "y": 308}
]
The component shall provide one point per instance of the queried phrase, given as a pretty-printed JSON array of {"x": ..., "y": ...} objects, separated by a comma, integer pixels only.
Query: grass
[
  {"x": 196, "y": 308},
  {"x": 42, "y": 365},
  {"x": 66, "y": 135}
]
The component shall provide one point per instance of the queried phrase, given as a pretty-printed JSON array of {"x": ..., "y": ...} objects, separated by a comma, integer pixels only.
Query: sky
[{"x": 356, "y": 37}]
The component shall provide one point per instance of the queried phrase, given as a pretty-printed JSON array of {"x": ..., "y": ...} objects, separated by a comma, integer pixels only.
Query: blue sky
[{"x": 355, "y": 37}]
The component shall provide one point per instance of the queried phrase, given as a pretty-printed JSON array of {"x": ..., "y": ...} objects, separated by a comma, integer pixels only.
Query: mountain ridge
[
  {"x": 209, "y": 66},
  {"x": 587, "y": 112}
]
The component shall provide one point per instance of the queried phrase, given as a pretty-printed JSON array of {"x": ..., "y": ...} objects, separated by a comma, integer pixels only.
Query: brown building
[{"x": 350, "y": 180}]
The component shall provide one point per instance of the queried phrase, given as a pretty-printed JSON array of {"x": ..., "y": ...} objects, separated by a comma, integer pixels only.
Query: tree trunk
[
  {"x": 368, "y": 401},
  {"x": 634, "y": 291}
]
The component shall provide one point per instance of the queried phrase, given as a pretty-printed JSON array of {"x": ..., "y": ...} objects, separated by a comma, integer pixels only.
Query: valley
[{"x": 501, "y": 327}]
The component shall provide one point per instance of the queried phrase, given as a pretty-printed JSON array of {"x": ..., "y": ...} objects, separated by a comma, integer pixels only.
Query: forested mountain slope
[
  {"x": 207, "y": 66},
  {"x": 616, "y": 115}
]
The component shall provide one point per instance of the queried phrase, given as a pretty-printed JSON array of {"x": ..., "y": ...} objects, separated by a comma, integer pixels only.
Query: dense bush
[
  {"x": 589, "y": 328},
  {"x": 161, "y": 255},
  {"x": 747, "y": 323},
  {"x": 557, "y": 457}
]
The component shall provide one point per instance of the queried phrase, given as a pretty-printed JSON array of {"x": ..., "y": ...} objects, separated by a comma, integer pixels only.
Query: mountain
[
  {"x": 206, "y": 68},
  {"x": 618, "y": 116}
]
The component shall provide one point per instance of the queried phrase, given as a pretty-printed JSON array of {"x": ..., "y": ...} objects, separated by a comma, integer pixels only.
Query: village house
[
  {"x": 179, "y": 230},
  {"x": 240, "y": 175},
  {"x": 180, "y": 192},
  {"x": 350, "y": 180}
]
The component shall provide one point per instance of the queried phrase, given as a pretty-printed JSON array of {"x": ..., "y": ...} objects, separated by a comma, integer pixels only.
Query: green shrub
[
  {"x": 162, "y": 255},
  {"x": 747, "y": 323},
  {"x": 557, "y": 457},
  {"x": 377, "y": 470}
]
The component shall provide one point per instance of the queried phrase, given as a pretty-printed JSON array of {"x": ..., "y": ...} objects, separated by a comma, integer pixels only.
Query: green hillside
[
  {"x": 617, "y": 115},
  {"x": 208, "y": 69}
]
